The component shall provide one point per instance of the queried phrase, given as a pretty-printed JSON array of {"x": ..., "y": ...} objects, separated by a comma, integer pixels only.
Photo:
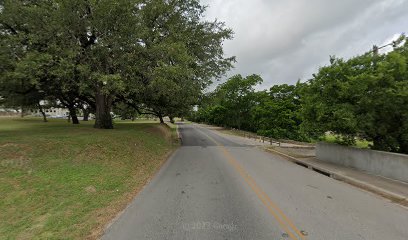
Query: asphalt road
[{"x": 217, "y": 187}]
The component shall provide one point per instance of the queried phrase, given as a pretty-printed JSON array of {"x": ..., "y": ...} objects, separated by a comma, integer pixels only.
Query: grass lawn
[{"x": 60, "y": 181}]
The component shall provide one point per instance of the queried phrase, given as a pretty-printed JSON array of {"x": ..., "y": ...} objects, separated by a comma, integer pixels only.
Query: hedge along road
[{"x": 215, "y": 187}]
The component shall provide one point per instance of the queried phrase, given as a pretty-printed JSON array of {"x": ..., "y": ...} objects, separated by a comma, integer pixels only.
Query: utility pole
[{"x": 375, "y": 49}]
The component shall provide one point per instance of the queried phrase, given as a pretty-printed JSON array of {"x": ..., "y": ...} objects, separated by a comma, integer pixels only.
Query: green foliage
[
  {"x": 125, "y": 111},
  {"x": 231, "y": 103},
  {"x": 361, "y": 100},
  {"x": 156, "y": 56},
  {"x": 181, "y": 55},
  {"x": 363, "y": 97},
  {"x": 237, "y": 97},
  {"x": 236, "y": 104},
  {"x": 277, "y": 114}
]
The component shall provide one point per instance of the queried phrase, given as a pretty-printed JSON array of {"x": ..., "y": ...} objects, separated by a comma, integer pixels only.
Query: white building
[{"x": 51, "y": 112}]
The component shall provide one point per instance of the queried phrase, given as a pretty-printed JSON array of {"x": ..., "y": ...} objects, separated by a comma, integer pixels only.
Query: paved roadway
[{"x": 216, "y": 187}]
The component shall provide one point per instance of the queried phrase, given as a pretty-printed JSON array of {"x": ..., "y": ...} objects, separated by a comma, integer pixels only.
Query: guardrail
[{"x": 262, "y": 139}]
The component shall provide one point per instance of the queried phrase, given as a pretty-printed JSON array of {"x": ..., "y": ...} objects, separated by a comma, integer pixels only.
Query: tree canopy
[
  {"x": 364, "y": 97},
  {"x": 154, "y": 55},
  {"x": 157, "y": 56}
]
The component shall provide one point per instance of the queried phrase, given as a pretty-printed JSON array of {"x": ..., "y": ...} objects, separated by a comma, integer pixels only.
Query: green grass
[
  {"x": 60, "y": 181},
  {"x": 172, "y": 126},
  {"x": 332, "y": 138}
]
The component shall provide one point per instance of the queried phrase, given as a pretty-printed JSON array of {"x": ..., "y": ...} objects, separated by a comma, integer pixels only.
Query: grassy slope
[{"x": 59, "y": 181}]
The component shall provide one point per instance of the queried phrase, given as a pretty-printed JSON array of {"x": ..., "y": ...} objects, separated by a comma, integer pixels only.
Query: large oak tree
[{"x": 155, "y": 55}]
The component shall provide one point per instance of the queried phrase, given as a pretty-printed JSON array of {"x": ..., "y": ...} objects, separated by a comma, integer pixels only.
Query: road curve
[{"x": 218, "y": 187}]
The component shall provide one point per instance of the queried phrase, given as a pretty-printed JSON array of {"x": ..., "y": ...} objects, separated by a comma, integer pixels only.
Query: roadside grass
[
  {"x": 332, "y": 138},
  {"x": 60, "y": 181},
  {"x": 173, "y": 128}
]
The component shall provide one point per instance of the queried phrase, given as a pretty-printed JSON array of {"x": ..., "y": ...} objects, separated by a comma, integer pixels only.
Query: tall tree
[
  {"x": 19, "y": 68},
  {"x": 181, "y": 54},
  {"x": 383, "y": 107},
  {"x": 277, "y": 113},
  {"x": 365, "y": 96},
  {"x": 155, "y": 55},
  {"x": 231, "y": 103}
]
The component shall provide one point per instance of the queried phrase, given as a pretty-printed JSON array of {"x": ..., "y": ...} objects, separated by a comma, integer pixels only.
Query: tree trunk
[
  {"x": 171, "y": 119},
  {"x": 72, "y": 113},
  {"x": 44, "y": 116},
  {"x": 86, "y": 114},
  {"x": 42, "y": 112},
  {"x": 103, "y": 119},
  {"x": 161, "y": 118}
]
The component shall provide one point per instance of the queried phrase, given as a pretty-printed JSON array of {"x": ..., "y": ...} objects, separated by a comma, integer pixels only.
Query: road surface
[{"x": 217, "y": 187}]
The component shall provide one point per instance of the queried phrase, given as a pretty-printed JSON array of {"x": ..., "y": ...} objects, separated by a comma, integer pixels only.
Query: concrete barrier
[{"x": 386, "y": 164}]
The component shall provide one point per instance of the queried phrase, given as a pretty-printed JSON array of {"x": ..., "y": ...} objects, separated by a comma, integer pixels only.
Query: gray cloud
[{"x": 287, "y": 40}]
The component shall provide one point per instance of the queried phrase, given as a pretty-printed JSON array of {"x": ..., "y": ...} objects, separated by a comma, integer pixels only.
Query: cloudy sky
[{"x": 287, "y": 40}]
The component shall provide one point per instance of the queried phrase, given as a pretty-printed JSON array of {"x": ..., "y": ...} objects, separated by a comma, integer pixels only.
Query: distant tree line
[
  {"x": 365, "y": 97},
  {"x": 139, "y": 56}
]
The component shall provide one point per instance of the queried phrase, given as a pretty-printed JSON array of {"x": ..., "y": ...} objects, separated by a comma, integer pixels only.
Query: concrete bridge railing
[{"x": 386, "y": 164}]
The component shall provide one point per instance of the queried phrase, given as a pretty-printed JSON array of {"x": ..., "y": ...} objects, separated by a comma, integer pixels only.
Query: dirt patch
[
  {"x": 14, "y": 149},
  {"x": 20, "y": 162},
  {"x": 90, "y": 189},
  {"x": 14, "y": 155},
  {"x": 90, "y": 153},
  {"x": 5, "y": 145}
]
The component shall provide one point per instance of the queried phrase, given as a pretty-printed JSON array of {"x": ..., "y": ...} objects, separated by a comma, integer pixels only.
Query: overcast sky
[{"x": 284, "y": 40}]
